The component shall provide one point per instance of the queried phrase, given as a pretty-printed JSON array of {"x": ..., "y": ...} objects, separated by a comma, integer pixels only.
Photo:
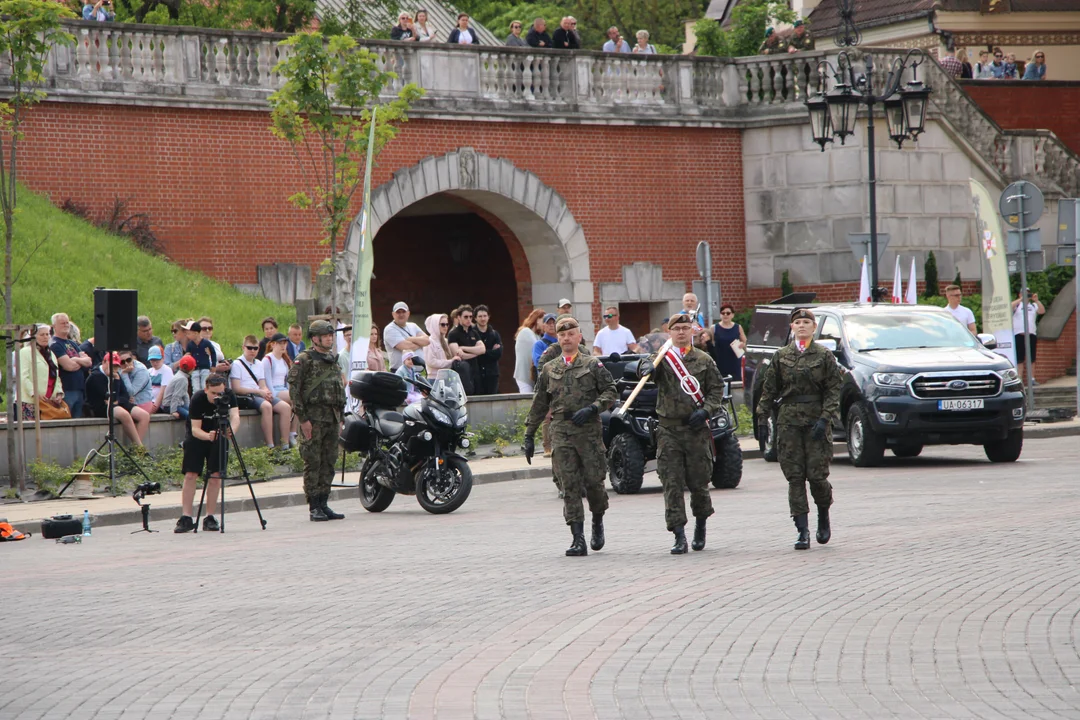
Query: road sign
[
  {"x": 704, "y": 260},
  {"x": 1066, "y": 255},
  {"x": 1035, "y": 262},
  {"x": 1021, "y": 194},
  {"x": 1032, "y": 240},
  {"x": 1066, "y": 234},
  {"x": 860, "y": 248}
]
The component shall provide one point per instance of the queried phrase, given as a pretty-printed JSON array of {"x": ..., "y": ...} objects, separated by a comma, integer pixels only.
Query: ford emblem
[{"x": 958, "y": 385}]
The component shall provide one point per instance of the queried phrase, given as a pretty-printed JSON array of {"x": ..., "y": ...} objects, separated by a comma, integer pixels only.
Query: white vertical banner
[
  {"x": 912, "y": 297},
  {"x": 864, "y": 283},
  {"x": 365, "y": 263},
  {"x": 997, "y": 296},
  {"x": 897, "y": 284}
]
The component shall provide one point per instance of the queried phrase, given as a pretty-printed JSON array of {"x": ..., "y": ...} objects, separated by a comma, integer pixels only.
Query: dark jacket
[
  {"x": 535, "y": 38},
  {"x": 565, "y": 40},
  {"x": 456, "y": 33},
  {"x": 399, "y": 33},
  {"x": 489, "y": 361},
  {"x": 97, "y": 394}
]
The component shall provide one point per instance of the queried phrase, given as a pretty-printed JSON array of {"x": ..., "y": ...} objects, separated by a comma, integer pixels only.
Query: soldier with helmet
[
  {"x": 317, "y": 392},
  {"x": 804, "y": 380},
  {"x": 576, "y": 388}
]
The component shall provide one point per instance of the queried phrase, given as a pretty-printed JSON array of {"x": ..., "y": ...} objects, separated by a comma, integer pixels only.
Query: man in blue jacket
[{"x": 549, "y": 338}]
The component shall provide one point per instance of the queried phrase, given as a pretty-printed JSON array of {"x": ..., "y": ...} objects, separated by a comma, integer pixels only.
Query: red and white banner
[{"x": 687, "y": 382}]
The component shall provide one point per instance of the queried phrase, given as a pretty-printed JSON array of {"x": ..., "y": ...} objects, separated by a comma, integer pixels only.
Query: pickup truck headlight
[
  {"x": 891, "y": 379},
  {"x": 1010, "y": 376}
]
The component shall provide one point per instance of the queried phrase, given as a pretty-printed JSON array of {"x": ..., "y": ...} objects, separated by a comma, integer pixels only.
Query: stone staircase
[{"x": 1055, "y": 396}]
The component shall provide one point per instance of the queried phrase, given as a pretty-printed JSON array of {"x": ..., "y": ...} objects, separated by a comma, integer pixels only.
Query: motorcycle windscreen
[{"x": 448, "y": 390}]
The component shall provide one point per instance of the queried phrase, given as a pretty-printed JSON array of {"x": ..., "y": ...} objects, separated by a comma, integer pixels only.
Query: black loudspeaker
[{"x": 115, "y": 317}]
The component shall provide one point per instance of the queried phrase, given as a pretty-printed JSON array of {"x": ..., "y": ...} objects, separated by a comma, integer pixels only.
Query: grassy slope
[{"x": 77, "y": 257}]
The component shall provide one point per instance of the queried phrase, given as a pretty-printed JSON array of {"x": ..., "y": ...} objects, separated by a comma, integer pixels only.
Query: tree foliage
[
  {"x": 930, "y": 273},
  {"x": 745, "y": 32}
]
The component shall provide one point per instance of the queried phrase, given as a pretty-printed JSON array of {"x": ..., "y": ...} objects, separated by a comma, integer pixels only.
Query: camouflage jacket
[
  {"x": 672, "y": 402},
  {"x": 316, "y": 389},
  {"x": 806, "y": 383},
  {"x": 565, "y": 389},
  {"x": 806, "y": 42},
  {"x": 772, "y": 45},
  {"x": 553, "y": 351}
]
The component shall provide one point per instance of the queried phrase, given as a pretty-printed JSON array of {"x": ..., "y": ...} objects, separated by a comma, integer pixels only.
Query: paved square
[{"x": 951, "y": 589}]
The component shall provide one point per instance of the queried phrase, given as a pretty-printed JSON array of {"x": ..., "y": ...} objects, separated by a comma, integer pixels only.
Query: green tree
[
  {"x": 28, "y": 31},
  {"x": 361, "y": 19},
  {"x": 324, "y": 112},
  {"x": 746, "y": 30},
  {"x": 786, "y": 288},
  {"x": 930, "y": 273}
]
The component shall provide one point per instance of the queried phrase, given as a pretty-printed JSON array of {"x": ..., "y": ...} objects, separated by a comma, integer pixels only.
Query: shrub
[{"x": 930, "y": 273}]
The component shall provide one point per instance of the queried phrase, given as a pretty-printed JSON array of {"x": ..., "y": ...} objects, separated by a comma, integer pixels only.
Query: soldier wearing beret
[
  {"x": 804, "y": 380},
  {"x": 317, "y": 392},
  {"x": 684, "y": 452},
  {"x": 576, "y": 388}
]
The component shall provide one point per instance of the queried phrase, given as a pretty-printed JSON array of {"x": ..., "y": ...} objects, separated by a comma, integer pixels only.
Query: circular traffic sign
[{"x": 1025, "y": 193}]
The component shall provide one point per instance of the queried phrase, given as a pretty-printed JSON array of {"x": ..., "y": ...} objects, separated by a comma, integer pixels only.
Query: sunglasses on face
[
  {"x": 252, "y": 347},
  {"x": 1039, "y": 57},
  {"x": 608, "y": 317},
  {"x": 727, "y": 312},
  {"x": 466, "y": 317},
  {"x": 207, "y": 327},
  {"x": 446, "y": 324},
  {"x": 515, "y": 27},
  {"x": 126, "y": 362}
]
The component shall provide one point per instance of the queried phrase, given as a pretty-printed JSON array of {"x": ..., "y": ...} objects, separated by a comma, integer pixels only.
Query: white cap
[
  {"x": 400, "y": 306},
  {"x": 564, "y": 301}
]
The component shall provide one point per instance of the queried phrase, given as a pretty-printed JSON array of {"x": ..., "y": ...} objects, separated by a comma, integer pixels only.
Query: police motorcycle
[{"x": 412, "y": 452}]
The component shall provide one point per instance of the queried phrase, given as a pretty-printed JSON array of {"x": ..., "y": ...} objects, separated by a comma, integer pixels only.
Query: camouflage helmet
[{"x": 320, "y": 327}]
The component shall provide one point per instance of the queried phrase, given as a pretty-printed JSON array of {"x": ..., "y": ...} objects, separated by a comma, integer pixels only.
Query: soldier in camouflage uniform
[
  {"x": 553, "y": 351},
  {"x": 800, "y": 38},
  {"x": 684, "y": 451},
  {"x": 772, "y": 44},
  {"x": 576, "y": 388},
  {"x": 804, "y": 378},
  {"x": 318, "y": 397}
]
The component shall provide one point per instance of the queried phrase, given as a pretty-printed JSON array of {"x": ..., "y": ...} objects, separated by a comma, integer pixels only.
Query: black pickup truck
[{"x": 913, "y": 376}]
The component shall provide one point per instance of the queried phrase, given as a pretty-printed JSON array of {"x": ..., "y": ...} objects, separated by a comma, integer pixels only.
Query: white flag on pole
[
  {"x": 912, "y": 287},
  {"x": 864, "y": 283},
  {"x": 897, "y": 286}
]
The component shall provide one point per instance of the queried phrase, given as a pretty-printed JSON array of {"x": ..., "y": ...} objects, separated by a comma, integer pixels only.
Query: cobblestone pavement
[{"x": 951, "y": 589}]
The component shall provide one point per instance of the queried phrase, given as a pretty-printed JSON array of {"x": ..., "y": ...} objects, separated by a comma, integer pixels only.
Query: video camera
[{"x": 147, "y": 488}]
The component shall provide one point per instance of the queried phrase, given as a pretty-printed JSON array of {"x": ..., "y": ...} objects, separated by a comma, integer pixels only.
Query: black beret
[{"x": 801, "y": 313}]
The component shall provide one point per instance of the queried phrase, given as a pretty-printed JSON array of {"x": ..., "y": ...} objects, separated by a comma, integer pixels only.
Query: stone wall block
[
  {"x": 892, "y": 165},
  {"x": 847, "y": 199},
  {"x": 774, "y": 171},
  {"x": 937, "y": 200},
  {"x": 848, "y": 164},
  {"x": 922, "y": 232},
  {"x": 886, "y": 198},
  {"x": 753, "y": 173},
  {"x": 764, "y": 237},
  {"x": 842, "y": 226},
  {"x": 955, "y": 167},
  {"x": 760, "y": 206},
  {"x": 759, "y": 270},
  {"x": 838, "y": 267},
  {"x": 799, "y": 203},
  {"x": 897, "y": 229},
  {"x": 909, "y": 199},
  {"x": 808, "y": 235},
  {"x": 960, "y": 201},
  {"x": 757, "y": 141},
  {"x": 924, "y": 166},
  {"x": 802, "y": 269},
  {"x": 956, "y": 232},
  {"x": 805, "y": 169}
]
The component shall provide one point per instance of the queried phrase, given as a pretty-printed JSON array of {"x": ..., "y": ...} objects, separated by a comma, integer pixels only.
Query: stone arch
[{"x": 553, "y": 241}]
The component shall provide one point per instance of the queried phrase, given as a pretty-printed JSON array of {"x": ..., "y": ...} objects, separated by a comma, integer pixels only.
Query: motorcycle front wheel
[
  {"x": 444, "y": 490},
  {"x": 373, "y": 496}
]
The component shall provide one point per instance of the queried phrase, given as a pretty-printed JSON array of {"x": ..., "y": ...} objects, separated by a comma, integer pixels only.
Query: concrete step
[{"x": 1055, "y": 397}]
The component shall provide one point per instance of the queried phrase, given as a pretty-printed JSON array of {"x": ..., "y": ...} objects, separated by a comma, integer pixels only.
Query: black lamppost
[{"x": 834, "y": 113}]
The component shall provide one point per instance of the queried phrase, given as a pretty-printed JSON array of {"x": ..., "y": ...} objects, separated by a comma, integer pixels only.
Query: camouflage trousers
[
  {"x": 546, "y": 435},
  {"x": 577, "y": 459},
  {"x": 803, "y": 459},
  {"x": 319, "y": 454},
  {"x": 684, "y": 461}
]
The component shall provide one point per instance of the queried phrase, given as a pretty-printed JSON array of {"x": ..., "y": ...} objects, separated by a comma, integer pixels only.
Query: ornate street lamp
[
  {"x": 894, "y": 119},
  {"x": 915, "y": 97},
  {"x": 844, "y": 104},
  {"x": 820, "y": 120}
]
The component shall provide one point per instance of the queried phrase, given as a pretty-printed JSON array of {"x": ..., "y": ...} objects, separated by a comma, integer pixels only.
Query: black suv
[{"x": 913, "y": 376}]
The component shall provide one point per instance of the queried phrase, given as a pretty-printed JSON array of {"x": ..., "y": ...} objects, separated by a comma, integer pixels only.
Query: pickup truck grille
[{"x": 943, "y": 386}]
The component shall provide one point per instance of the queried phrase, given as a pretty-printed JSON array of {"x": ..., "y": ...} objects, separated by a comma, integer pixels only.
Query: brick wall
[{"x": 1018, "y": 105}]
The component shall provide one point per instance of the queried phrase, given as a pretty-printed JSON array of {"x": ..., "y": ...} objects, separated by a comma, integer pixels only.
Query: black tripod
[{"x": 224, "y": 437}]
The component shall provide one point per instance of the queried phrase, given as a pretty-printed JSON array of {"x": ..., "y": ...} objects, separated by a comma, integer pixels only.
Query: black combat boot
[
  {"x": 679, "y": 548},
  {"x": 317, "y": 514},
  {"x": 699, "y": 534},
  {"x": 597, "y": 541},
  {"x": 824, "y": 530},
  {"x": 330, "y": 514},
  {"x": 577, "y": 548},
  {"x": 803, "y": 525}
]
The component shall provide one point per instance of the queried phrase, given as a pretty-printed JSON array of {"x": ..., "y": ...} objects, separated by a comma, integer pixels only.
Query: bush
[
  {"x": 786, "y": 288},
  {"x": 930, "y": 273},
  {"x": 49, "y": 477},
  {"x": 1047, "y": 284}
]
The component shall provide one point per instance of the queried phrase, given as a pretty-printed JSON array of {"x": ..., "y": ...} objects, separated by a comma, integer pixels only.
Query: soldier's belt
[
  {"x": 674, "y": 421},
  {"x": 796, "y": 399}
]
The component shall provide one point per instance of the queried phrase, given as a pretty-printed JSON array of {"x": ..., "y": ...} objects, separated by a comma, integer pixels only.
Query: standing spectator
[
  {"x": 546, "y": 340},
  {"x": 462, "y": 35},
  {"x": 101, "y": 10},
  {"x": 982, "y": 67},
  {"x": 1036, "y": 70},
  {"x": 524, "y": 340},
  {"x": 404, "y": 30},
  {"x": 408, "y": 371},
  {"x": 537, "y": 36},
  {"x": 454, "y": 317},
  {"x": 724, "y": 333},
  {"x": 160, "y": 377},
  {"x": 36, "y": 357},
  {"x": 950, "y": 63},
  {"x": 966, "y": 71},
  {"x": 140, "y": 385},
  {"x": 1010, "y": 66},
  {"x": 376, "y": 361},
  {"x": 296, "y": 341},
  {"x": 423, "y": 32},
  {"x": 565, "y": 307},
  {"x": 106, "y": 377},
  {"x": 643, "y": 47},
  {"x": 954, "y": 294},
  {"x": 146, "y": 339},
  {"x": 997, "y": 68},
  {"x": 402, "y": 335},
  {"x": 464, "y": 341},
  {"x": 247, "y": 381},
  {"x": 565, "y": 37},
  {"x": 270, "y": 329},
  {"x": 344, "y": 359},
  {"x": 615, "y": 42},
  {"x": 437, "y": 355},
  {"x": 489, "y": 361},
  {"x": 175, "y": 350},
  {"x": 614, "y": 338},
  {"x": 514, "y": 39},
  {"x": 73, "y": 362},
  {"x": 1034, "y": 308},
  {"x": 206, "y": 325},
  {"x": 178, "y": 392}
]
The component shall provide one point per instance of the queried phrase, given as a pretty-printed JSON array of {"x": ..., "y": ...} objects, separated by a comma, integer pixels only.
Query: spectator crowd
[{"x": 992, "y": 64}]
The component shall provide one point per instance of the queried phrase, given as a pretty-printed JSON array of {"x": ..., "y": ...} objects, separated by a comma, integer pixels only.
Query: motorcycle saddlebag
[
  {"x": 380, "y": 389},
  {"x": 60, "y": 525},
  {"x": 356, "y": 434}
]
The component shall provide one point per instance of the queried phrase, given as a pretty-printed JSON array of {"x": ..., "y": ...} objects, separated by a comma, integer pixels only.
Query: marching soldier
[
  {"x": 689, "y": 392},
  {"x": 318, "y": 396},
  {"x": 576, "y": 388},
  {"x": 804, "y": 379},
  {"x": 553, "y": 351}
]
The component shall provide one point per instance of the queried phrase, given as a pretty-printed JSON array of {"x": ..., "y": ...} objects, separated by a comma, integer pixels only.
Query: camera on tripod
[
  {"x": 147, "y": 488},
  {"x": 221, "y": 411}
]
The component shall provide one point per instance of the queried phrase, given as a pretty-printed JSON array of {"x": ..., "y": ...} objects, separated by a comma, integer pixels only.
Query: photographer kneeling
[{"x": 201, "y": 447}]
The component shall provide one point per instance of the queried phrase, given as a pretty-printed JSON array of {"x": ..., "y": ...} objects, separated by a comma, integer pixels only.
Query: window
[{"x": 830, "y": 328}]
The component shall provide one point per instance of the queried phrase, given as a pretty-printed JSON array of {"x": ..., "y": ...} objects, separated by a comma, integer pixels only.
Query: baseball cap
[
  {"x": 278, "y": 337},
  {"x": 153, "y": 353},
  {"x": 564, "y": 301},
  {"x": 400, "y": 306},
  {"x": 548, "y": 318},
  {"x": 187, "y": 363},
  {"x": 113, "y": 359}
]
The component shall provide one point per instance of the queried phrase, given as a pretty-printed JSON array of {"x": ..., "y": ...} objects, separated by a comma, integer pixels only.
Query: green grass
[{"x": 77, "y": 257}]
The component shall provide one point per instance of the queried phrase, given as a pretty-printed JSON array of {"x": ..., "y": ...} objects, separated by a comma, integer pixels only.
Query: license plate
[{"x": 960, "y": 404}]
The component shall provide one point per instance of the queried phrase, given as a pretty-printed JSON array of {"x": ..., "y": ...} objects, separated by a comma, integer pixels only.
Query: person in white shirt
[
  {"x": 954, "y": 294},
  {"x": 401, "y": 336},
  {"x": 248, "y": 380},
  {"x": 160, "y": 375},
  {"x": 1034, "y": 308},
  {"x": 615, "y": 41},
  {"x": 614, "y": 338}
]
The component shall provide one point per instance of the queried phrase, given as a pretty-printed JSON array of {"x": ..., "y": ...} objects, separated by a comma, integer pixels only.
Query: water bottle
[{"x": 86, "y": 522}]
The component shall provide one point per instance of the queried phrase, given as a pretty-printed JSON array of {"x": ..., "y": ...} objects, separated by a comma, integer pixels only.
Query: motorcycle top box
[{"x": 380, "y": 389}]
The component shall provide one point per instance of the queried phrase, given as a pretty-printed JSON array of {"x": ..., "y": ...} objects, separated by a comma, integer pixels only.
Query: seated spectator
[
  {"x": 613, "y": 337},
  {"x": 514, "y": 39},
  {"x": 37, "y": 358},
  {"x": 537, "y": 36},
  {"x": 248, "y": 382},
  {"x": 462, "y": 35},
  {"x": 206, "y": 326},
  {"x": 643, "y": 47},
  {"x": 566, "y": 38},
  {"x": 104, "y": 381},
  {"x": 160, "y": 376},
  {"x": 424, "y": 32},
  {"x": 1036, "y": 69},
  {"x": 270, "y": 329},
  {"x": 296, "y": 342},
  {"x": 145, "y": 339},
  {"x": 408, "y": 371},
  {"x": 375, "y": 360},
  {"x": 101, "y": 11},
  {"x": 401, "y": 335},
  {"x": 137, "y": 378},
  {"x": 276, "y": 366},
  {"x": 175, "y": 350},
  {"x": 404, "y": 30},
  {"x": 202, "y": 350},
  {"x": 437, "y": 355},
  {"x": 454, "y": 317},
  {"x": 546, "y": 340},
  {"x": 73, "y": 362},
  {"x": 178, "y": 393},
  {"x": 615, "y": 42}
]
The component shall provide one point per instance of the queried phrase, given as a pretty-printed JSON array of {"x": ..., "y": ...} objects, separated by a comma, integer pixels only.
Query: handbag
[
  {"x": 246, "y": 402},
  {"x": 52, "y": 412}
]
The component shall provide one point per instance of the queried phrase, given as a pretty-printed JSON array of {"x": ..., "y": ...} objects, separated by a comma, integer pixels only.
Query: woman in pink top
[
  {"x": 437, "y": 354},
  {"x": 375, "y": 359}
]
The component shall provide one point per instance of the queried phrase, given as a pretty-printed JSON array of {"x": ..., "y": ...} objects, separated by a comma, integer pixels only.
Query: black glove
[
  {"x": 645, "y": 367},
  {"x": 819, "y": 429},
  {"x": 529, "y": 446},
  {"x": 582, "y": 416},
  {"x": 762, "y": 433},
  {"x": 697, "y": 419}
]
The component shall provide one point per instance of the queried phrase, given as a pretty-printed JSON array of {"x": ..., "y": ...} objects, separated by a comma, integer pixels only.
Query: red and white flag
[
  {"x": 864, "y": 283},
  {"x": 912, "y": 287},
  {"x": 897, "y": 289}
]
